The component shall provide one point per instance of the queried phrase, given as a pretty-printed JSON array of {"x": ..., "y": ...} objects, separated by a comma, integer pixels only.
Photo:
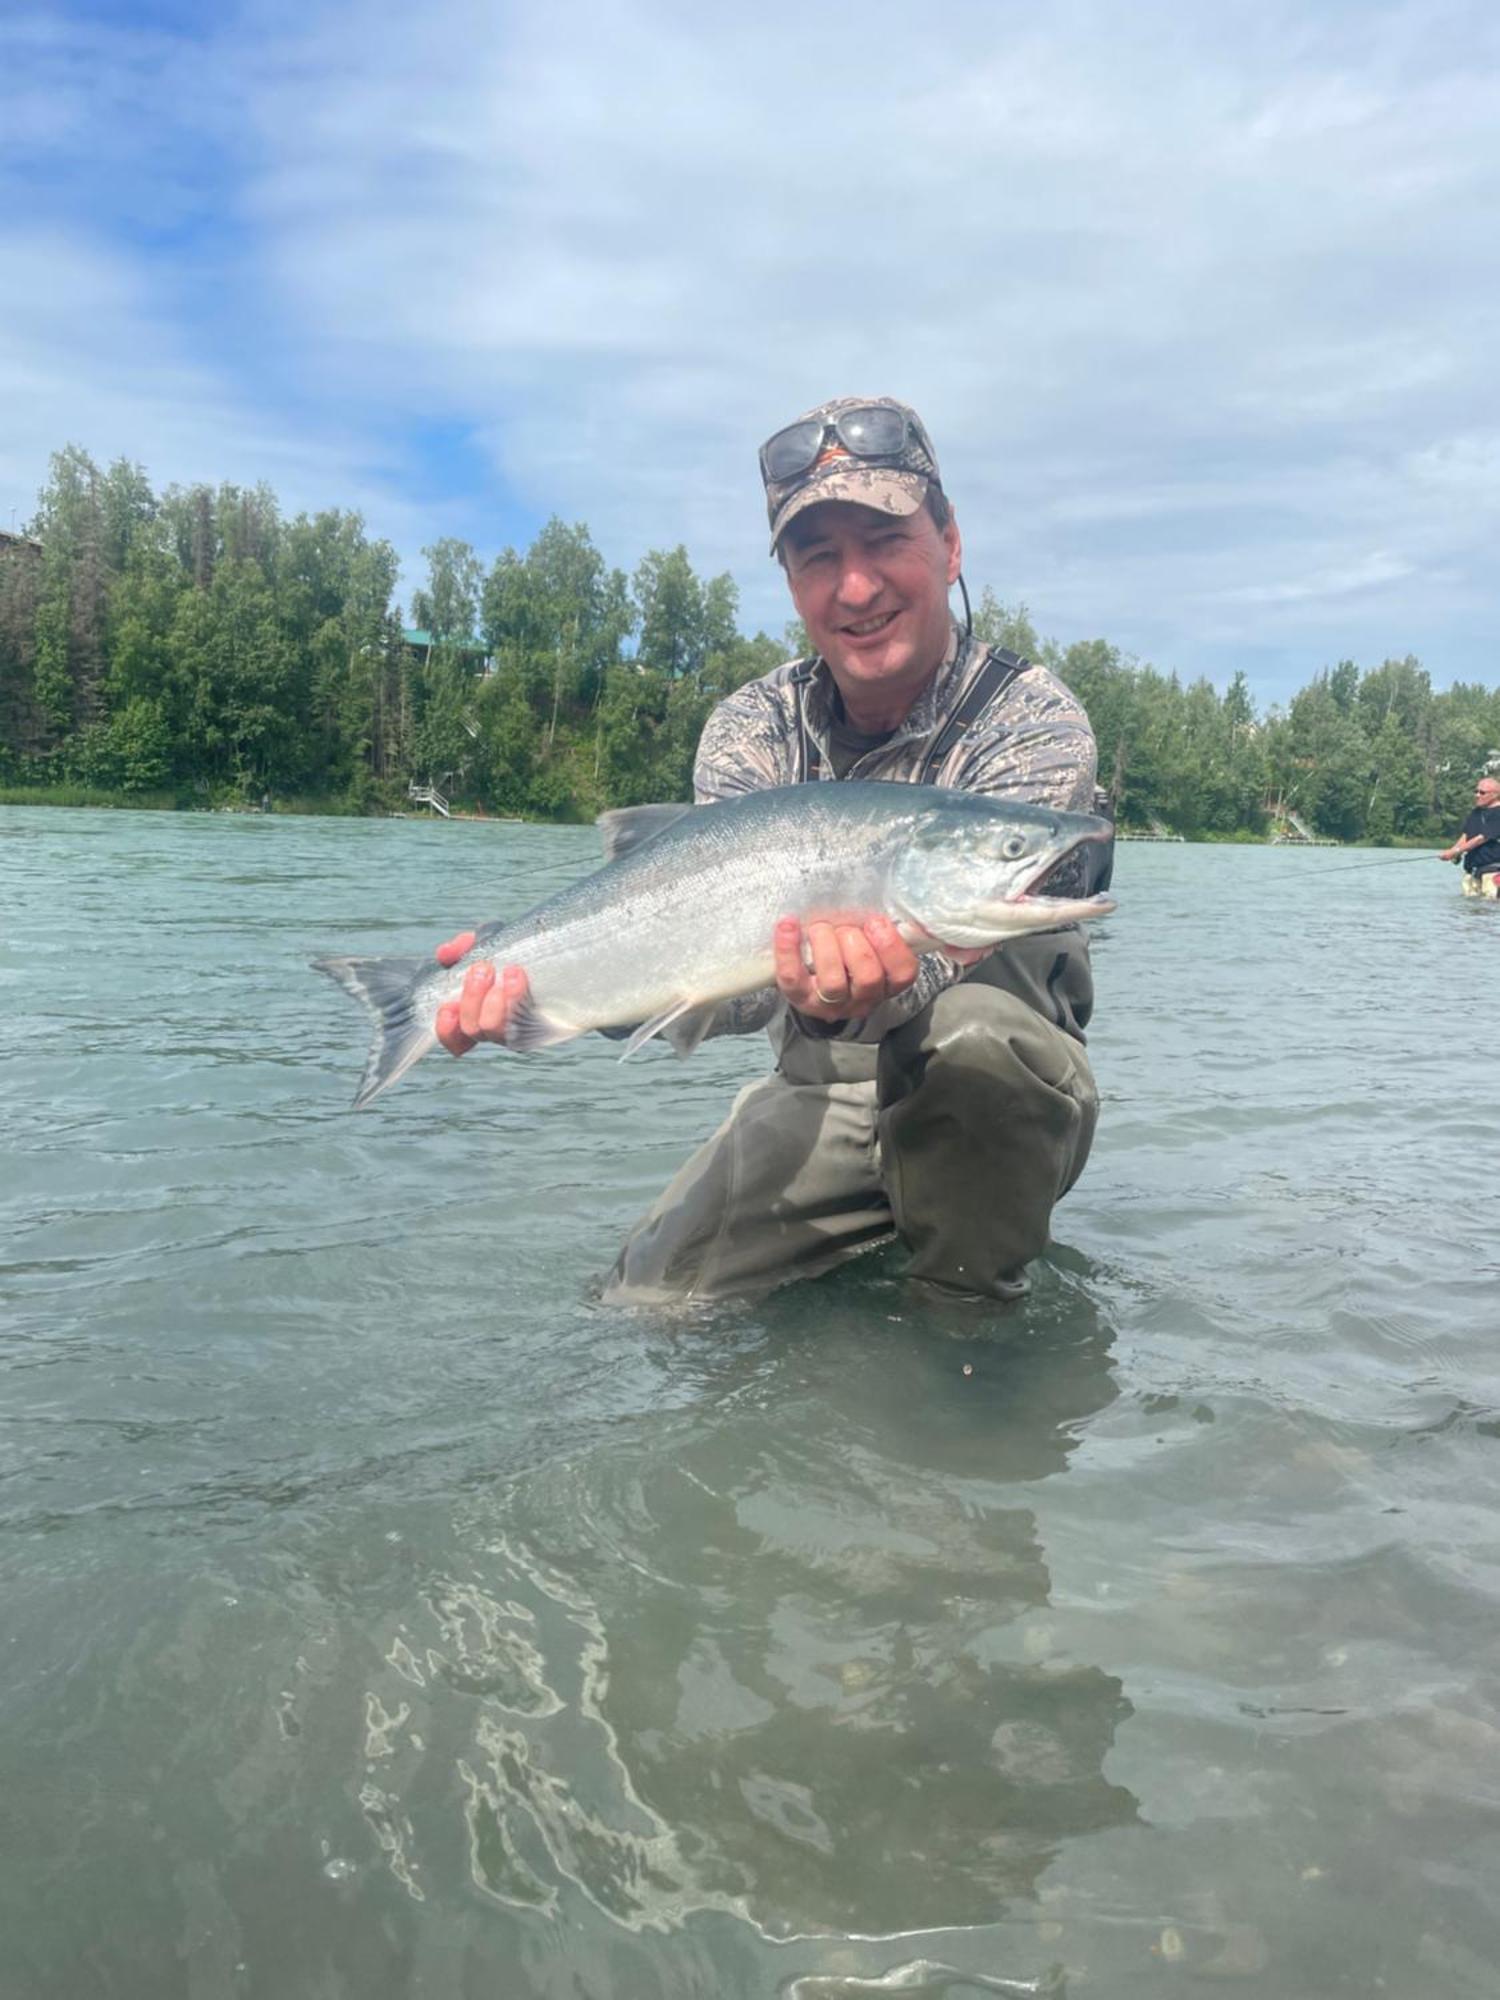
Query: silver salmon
[{"x": 680, "y": 917}]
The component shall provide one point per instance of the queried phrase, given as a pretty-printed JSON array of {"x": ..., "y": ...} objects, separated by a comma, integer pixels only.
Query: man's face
[
  {"x": 1487, "y": 792},
  {"x": 872, "y": 590}
]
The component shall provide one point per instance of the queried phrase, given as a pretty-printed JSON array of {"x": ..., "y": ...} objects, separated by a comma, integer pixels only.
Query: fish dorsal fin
[
  {"x": 627, "y": 827},
  {"x": 684, "y": 1024}
]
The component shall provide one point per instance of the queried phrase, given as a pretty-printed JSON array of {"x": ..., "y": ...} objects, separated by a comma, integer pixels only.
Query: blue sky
[{"x": 1201, "y": 304}]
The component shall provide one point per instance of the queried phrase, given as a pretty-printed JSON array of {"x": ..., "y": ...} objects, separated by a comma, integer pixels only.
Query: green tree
[
  {"x": 70, "y": 633},
  {"x": 233, "y": 669},
  {"x": 140, "y": 746},
  {"x": 1322, "y": 762},
  {"x": 1398, "y": 800},
  {"x": 997, "y": 624},
  {"x": 449, "y": 607},
  {"x": 1343, "y": 686},
  {"x": 669, "y": 605},
  {"x": 197, "y": 637}
]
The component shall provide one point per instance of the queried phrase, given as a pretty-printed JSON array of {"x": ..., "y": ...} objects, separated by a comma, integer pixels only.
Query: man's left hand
[{"x": 855, "y": 967}]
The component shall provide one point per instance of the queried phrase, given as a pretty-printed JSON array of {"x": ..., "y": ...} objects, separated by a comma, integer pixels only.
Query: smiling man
[{"x": 944, "y": 1100}]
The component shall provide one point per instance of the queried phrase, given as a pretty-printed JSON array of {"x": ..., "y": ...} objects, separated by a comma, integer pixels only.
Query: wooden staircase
[{"x": 427, "y": 795}]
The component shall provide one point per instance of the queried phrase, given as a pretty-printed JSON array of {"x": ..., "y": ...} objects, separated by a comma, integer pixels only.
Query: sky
[{"x": 1200, "y": 304}]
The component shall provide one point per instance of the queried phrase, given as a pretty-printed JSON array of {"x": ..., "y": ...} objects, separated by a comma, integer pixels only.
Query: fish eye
[{"x": 1014, "y": 847}]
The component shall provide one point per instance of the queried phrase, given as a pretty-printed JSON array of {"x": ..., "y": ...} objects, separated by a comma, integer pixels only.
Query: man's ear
[{"x": 953, "y": 542}]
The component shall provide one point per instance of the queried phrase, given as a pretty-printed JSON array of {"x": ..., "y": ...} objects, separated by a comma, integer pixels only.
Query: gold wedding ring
[{"x": 826, "y": 998}]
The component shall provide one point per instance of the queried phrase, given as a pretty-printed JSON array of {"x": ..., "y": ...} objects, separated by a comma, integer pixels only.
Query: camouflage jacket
[{"x": 1032, "y": 741}]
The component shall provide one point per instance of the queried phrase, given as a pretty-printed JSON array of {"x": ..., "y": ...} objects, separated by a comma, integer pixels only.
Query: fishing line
[{"x": 1385, "y": 861}]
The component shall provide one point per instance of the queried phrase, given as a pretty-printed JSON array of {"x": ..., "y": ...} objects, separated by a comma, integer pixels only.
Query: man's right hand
[
  {"x": 481, "y": 1013},
  {"x": 848, "y": 970}
]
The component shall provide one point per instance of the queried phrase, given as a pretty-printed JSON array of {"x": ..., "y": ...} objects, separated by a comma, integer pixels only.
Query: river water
[{"x": 383, "y": 1616}]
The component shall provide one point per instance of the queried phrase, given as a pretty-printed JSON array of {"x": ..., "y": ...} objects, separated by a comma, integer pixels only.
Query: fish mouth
[{"x": 1079, "y": 874}]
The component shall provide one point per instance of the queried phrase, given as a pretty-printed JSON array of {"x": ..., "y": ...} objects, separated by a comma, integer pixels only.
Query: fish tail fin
[{"x": 386, "y": 986}]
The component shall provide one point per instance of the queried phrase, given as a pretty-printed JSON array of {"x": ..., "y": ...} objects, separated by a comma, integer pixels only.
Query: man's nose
[{"x": 858, "y": 580}]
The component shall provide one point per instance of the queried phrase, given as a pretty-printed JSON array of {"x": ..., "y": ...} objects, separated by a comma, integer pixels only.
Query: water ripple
[{"x": 385, "y": 1616}]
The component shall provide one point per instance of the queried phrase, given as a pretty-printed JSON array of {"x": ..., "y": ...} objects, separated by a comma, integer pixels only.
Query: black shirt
[
  {"x": 1485, "y": 820},
  {"x": 846, "y": 744}
]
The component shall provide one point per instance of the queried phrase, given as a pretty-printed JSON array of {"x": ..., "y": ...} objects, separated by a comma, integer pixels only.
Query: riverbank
[
  {"x": 291, "y": 808},
  {"x": 325, "y": 808}
]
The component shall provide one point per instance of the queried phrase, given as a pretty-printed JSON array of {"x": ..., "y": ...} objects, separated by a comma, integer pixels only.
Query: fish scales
[
  {"x": 690, "y": 914},
  {"x": 682, "y": 918}
]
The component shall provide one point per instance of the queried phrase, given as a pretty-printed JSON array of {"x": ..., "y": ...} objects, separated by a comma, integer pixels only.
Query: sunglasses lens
[
  {"x": 874, "y": 432},
  {"x": 791, "y": 451}
]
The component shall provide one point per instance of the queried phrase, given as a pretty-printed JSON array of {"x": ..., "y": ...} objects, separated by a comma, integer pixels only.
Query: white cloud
[
  {"x": 1200, "y": 308},
  {"x": 1465, "y": 469},
  {"x": 1369, "y": 572},
  {"x": 88, "y": 357}
]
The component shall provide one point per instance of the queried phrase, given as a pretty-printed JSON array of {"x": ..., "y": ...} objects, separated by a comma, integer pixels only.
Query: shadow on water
[{"x": 775, "y": 1653}]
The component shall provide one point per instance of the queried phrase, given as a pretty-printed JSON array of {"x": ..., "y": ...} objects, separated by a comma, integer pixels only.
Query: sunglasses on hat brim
[{"x": 870, "y": 431}]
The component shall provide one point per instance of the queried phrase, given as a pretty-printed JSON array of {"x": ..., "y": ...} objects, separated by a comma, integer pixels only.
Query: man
[
  {"x": 1478, "y": 845},
  {"x": 948, "y": 1102}
]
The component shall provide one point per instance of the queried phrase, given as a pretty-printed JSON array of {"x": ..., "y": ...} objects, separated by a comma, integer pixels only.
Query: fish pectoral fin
[
  {"x": 627, "y": 827},
  {"x": 528, "y": 1028},
  {"x": 683, "y": 1024},
  {"x": 688, "y": 1030}
]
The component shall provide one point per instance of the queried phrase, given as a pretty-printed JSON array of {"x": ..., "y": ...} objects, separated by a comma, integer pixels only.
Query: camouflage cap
[{"x": 894, "y": 485}]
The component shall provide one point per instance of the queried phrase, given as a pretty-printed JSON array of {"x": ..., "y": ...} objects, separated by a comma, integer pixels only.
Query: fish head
[{"x": 977, "y": 870}]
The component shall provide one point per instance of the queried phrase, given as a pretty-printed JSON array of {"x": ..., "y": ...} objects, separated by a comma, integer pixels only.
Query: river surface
[{"x": 383, "y": 1616}]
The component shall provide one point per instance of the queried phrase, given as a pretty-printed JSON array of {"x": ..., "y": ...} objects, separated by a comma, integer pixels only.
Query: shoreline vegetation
[
  {"x": 196, "y": 650},
  {"x": 325, "y": 808}
]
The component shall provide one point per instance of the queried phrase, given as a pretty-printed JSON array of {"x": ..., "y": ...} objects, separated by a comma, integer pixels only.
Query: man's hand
[
  {"x": 481, "y": 1013},
  {"x": 854, "y": 967}
]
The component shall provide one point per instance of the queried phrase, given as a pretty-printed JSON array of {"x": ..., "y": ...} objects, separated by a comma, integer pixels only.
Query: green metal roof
[{"x": 414, "y": 636}]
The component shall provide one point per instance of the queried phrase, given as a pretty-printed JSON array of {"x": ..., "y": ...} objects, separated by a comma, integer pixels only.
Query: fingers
[
  {"x": 483, "y": 1008},
  {"x": 479, "y": 984},
  {"x": 852, "y": 969},
  {"x": 898, "y": 960},
  {"x": 831, "y": 982},
  {"x": 451, "y": 952},
  {"x": 800, "y": 983},
  {"x": 864, "y": 964},
  {"x": 450, "y": 1035},
  {"x": 786, "y": 947}
]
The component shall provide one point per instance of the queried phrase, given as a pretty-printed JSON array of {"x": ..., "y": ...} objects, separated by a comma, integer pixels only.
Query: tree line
[{"x": 197, "y": 647}]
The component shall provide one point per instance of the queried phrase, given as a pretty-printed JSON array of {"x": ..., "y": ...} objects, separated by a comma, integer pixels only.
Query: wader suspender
[
  {"x": 1000, "y": 668},
  {"x": 809, "y": 756}
]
